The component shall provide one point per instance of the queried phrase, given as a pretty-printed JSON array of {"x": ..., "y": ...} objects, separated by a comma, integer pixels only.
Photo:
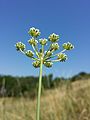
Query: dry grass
[{"x": 71, "y": 102}]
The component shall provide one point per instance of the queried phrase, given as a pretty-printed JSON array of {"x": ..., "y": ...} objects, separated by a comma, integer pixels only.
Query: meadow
[{"x": 68, "y": 102}]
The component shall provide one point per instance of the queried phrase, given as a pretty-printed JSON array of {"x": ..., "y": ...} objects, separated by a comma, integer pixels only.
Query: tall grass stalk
[{"x": 3, "y": 98}]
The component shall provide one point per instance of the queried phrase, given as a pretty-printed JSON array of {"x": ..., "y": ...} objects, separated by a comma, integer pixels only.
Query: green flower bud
[
  {"x": 36, "y": 64},
  {"x": 53, "y": 37},
  {"x": 29, "y": 53},
  {"x": 20, "y": 46},
  {"x": 48, "y": 53},
  {"x": 33, "y": 42},
  {"x": 43, "y": 41},
  {"x": 54, "y": 46},
  {"x": 62, "y": 57},
  {"x": 34, "y": 32},
  {"x": 68, "y": 46},
  {"x": 48, "y": 64},
  {"x": 40, "y": 54}
]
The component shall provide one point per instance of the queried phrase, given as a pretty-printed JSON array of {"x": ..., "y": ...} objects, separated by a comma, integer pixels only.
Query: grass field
[{"x": 70, "y": 102}]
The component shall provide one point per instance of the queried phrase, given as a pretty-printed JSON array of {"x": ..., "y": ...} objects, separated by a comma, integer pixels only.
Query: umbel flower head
[
  {"x": 32, "y": 41},
  {"x": 20, "y": 46},
  {"x": 48, "y": 53},
  {"x": 43, "y": 41},
  {"x": 29, "y": 53},
  {"x": 38, "y": 54},
  {"x": 62, "y": 57},
  {"x": 34, "y": 32},
  {"x": 48, "y": 64},
  {"x": 68, "y": 46},
  {"x": 53, "y": 37},
  {"x": 36, "y": 64},
  {"x": 54, "y": 46}
]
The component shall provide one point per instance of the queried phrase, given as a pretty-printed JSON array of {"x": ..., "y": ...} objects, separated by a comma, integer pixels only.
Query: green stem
[
  {"x": 42, "y": 50},
  {"x": 47, "y": 51},
  {"x": 39, "y": 92},
  {"x": 34, "y": 48}
]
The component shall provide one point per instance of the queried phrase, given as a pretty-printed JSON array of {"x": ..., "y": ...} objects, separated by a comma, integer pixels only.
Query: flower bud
[
  {"x": 48, "y": 64},
  {"x": 40, "y": 54},
  {"x": 43, "y": 41},
  {"x": 36, "y": 64},
  {"x": 34, "y": 32},
  {"x": 33, "y": 42},
  {"x": 54, "y": 46},
  {"x": 62, "y": 57},
  {"x": 53, "y": 37},
  {"x": 68, "y": 46},
  {"x": 20, "y": 46},
  {"x": 48, "y": 53},
  {"x": 29, "y": 53}
]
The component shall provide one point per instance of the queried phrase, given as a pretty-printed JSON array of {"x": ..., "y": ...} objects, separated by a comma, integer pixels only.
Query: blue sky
[{"x": 69, "y": 18}]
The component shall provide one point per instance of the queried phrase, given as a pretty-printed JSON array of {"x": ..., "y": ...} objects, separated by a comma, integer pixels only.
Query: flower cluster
[
  {"x": 68, "y": 46},
  {"x": 36, "y": 64},
  {"x": 53, "y": 37},
  {"x": 48, "y": 53},
  {"x": 43, "y": 41},
  {"x": 47, "y": 57},
  {"x": 48, "y": 64},
  {"x": 34, "y": 32},
  {"x": 20, "y": 46},
  {"x": 32, "y": 41},
  {"x": 29, "y": 53},
  {"x": 54, "y": 46},
  {"x": 62, "y": 57}
]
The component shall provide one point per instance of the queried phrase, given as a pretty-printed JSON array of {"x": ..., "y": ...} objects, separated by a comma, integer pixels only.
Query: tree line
[{"x": 11, "y": 86}]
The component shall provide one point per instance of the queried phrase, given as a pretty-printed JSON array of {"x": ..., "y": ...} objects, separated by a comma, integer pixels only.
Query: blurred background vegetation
[
  {"x": 62, "y": 98},
  {"x": 27, "y": 86}
]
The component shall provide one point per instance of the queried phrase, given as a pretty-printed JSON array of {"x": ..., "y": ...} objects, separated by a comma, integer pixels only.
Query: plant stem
[
  {"x": 34, "y": 48},
  {"x": 39, "y": 91}
]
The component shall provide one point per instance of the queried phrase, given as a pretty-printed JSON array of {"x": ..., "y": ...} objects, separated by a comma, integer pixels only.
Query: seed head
[
  {"x": 33, "y": 42},
  {"x": 53, "y": 37},
  {"x": 48, "y": 64},
  {"x": 34, "y": 32},
  {"x": 43, "y": 41},
  {"x": 48, "y": 53},
  {"x": 36, "y": 64},
  {"x": 62, "y": 57},
  {"x": 68, "y": 46},
  {"x": 40, "y": 54},
  {"x": 54, "y": 46},
  {"x": 20, "y": 46},
  {"x": 29, "y": 53}
]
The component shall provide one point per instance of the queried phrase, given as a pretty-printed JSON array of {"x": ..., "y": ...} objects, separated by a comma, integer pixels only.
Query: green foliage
[
  {"x": 80, "y": 76},
  {"x": 27, "y": 86}
]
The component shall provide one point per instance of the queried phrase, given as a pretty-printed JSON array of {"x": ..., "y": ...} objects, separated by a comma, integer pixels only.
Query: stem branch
[
  {"x": 55, "y": 55},
  {"x": 34, "y": 48}
]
